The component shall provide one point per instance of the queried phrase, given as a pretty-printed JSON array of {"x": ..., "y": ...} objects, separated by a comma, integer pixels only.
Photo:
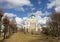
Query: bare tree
[
  {"x": 54, "y": 24},
  {"x": 13, "y": 25},
  {"x": 6, "y": 24},
  {"x": 1, "y": 14}
]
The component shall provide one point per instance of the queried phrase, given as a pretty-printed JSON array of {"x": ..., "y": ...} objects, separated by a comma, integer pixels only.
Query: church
[{"x": 31, "y": 24}]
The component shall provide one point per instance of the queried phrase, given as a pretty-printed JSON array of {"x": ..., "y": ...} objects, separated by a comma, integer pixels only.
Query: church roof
[{"x": 32, "y": 15}]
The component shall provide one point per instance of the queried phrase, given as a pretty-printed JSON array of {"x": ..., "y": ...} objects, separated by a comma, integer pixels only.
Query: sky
[{"x": 20, "y": 9}]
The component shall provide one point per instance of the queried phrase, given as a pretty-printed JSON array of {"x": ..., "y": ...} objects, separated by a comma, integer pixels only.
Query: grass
[{"x": 21, "y": 37}]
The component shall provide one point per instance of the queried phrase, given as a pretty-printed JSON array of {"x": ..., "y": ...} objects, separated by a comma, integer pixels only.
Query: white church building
[{"x": 31, "y": 24}]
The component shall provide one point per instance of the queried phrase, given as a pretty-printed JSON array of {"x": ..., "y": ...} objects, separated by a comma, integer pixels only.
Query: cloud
[
  {"x": 17, "y": 4},
  {"x": 50, "y": 5},
  {"x": 24, "y": 18},
  {"x": 40, "y": 13},
  {"x": 57, "y": 9},
  {"x": 18, "y": 20},
  {"x": 57, "y": 2},
  {"x": 39, "y": 2},
  {"x": 32, "y": 9},
  {"x": 0, "y": 0},
  {"x": 10, "y": 14},
  {"x": 42, "y": 20},
  {"x": 54, "y": 3}
]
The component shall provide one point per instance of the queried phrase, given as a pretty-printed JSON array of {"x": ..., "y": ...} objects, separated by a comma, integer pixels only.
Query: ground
[{"x": 21, "y": 37}]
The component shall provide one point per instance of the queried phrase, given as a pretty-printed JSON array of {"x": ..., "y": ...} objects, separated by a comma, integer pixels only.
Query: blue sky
[
  {"x": 20, "y": 9},
  {"x": 37, "y": 5}
]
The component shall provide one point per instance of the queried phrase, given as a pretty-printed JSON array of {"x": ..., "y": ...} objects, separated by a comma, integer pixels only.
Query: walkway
[{"x": 21, "y": 37}]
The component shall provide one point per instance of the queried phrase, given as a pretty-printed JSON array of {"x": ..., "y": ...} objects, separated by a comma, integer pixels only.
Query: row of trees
[
  {"x": 9, "y": 26},
  {"x": 53, "y": 25}
]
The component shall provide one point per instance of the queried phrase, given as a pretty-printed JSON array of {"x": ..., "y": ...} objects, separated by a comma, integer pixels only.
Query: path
[{"x": 21, "y": 37}]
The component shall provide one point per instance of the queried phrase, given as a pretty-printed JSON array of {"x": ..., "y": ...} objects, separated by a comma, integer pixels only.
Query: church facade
[{"x": 31, "y": 24}]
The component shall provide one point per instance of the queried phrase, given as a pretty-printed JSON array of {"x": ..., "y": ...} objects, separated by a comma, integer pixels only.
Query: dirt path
[{"x": 21, "y": 37}]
